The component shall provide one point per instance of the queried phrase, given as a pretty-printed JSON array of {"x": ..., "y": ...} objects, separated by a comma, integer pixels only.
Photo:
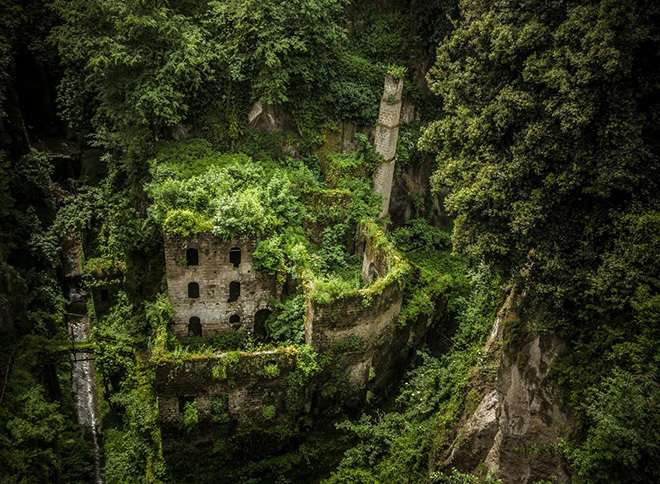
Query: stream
[{"x": 83, "y": 379}]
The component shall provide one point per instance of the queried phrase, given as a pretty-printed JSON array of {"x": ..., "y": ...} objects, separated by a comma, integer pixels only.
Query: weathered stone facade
[
  {"x": 241, "y": 388},
  {"x": 385, "y": 139},
  {"x": 214, "y": 300}
]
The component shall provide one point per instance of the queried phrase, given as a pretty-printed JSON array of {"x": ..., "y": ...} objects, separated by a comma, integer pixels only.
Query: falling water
[{"x": 83, "y": 379}]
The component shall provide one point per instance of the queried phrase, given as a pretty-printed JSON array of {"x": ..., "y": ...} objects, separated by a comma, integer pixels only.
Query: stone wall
[
  {"x": 360, "y": 346},
  {"x": 362, "y": 325},
  {"x": 246, "y": 389},
  {"x": 214, "y": 274},
  {"x": 362, "y": 329}
]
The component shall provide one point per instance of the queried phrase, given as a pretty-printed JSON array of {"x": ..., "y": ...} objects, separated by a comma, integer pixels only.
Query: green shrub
[
  {"x": 397, "y": 72},
  {"x": 271, "y": 370},
  {"x": 186, "y": 223},
  {"x": 307, "y": 366},
  {"x": 220, "y": 408},
  {"x": 268, "y": 412},
  {"x": 333, "y": 287},
  {"x": 621, "y": 443},
  {"x": 230, "y": 340},
  {"x": 224, "y": 363},
  {"x": 287, "y": 323},
  {"x": 190, "y": 416}
]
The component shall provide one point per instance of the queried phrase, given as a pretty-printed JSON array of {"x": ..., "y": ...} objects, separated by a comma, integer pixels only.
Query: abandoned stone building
[
  {"x": 213, "y": 286},
  {"x": 358, "y": 327}
]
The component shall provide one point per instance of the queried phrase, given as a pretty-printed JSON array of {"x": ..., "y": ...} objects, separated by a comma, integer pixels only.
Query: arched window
[
  {"x": 234, "y": 320},
  {"x": 234, "y": 290},
  {"x": 192, "y": 257},
  {"x": 193, "y": 290},
  {"x": 235, "y": 256},
  {"x": 260, "y": 323},
  {"x": 194, "y": 327}
]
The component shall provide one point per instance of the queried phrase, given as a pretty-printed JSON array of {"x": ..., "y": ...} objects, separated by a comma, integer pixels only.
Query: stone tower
[{"x": 386, "y": 137}]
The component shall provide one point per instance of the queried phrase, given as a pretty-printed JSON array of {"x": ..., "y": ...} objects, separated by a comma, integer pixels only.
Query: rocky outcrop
[
  {"x": 413, "y": 197},
  {"x": 266, "y": 117},
  {"x": 514, "y": 431}
]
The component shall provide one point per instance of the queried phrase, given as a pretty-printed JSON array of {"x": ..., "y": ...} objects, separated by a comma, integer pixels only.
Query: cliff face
[{"x": 514, "y": 431}]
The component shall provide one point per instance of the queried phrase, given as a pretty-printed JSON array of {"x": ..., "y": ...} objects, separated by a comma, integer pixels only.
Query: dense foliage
[
  {"x": 543, "y": 123},
  {"x": 152, "y": 66},
  {"x": 548, "y": 148}
]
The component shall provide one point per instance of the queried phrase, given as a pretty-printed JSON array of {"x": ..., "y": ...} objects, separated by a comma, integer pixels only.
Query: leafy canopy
[
  {"x": 548, "y": 150},
  {"x": 153, "y": 65}
]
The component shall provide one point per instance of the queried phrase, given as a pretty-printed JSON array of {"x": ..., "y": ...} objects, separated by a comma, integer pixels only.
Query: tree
[
  {"x": 548, "y": 148},
  {"x": 280, "y": 45},
  {"x": 549, "y": 134},
  {"x": 150, "y": 66}
]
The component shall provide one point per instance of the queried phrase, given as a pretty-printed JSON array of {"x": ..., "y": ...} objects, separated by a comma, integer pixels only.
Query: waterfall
[
  {"x": 83, "y": 378},
  {"x": 83, "y": 374}
]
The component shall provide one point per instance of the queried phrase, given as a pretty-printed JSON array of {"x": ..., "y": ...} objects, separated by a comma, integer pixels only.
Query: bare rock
[
  {"x": 515, "y": 429},
  {"x": 265, "y": 117}
]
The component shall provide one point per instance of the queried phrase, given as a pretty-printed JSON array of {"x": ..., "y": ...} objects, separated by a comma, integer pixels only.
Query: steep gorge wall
[{"x": 517, "y": 425}]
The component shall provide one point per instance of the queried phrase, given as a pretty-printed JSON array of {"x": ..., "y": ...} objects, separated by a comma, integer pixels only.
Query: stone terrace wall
[
  {"x": 231, "y": 387},
  {"x": 363, "y": 329},
  {"x": 361, "y": 325},
  {"x": 214, "y": 273}
]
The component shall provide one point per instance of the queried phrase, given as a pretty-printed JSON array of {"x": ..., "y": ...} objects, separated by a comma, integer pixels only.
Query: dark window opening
[
  {"x": 260, "y": 323},
  {"x": 183, "y": 401},
  {"x": 105, "y": 295},
  {"x": 194, "y": 327},
  {"x": 192, "y": 257},
  {"x": 193, "y": 290},
  {"x": 234, "y": 290},
  {"x": 234, "y": 319},
  {"x": 235, "y": 256}
]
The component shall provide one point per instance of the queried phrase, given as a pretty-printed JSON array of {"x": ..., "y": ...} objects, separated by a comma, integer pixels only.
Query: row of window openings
[
  {"x": 195, "y": 324},
  {"x": 192, "y": 257},
  {"x": 234, "y": 290}
]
